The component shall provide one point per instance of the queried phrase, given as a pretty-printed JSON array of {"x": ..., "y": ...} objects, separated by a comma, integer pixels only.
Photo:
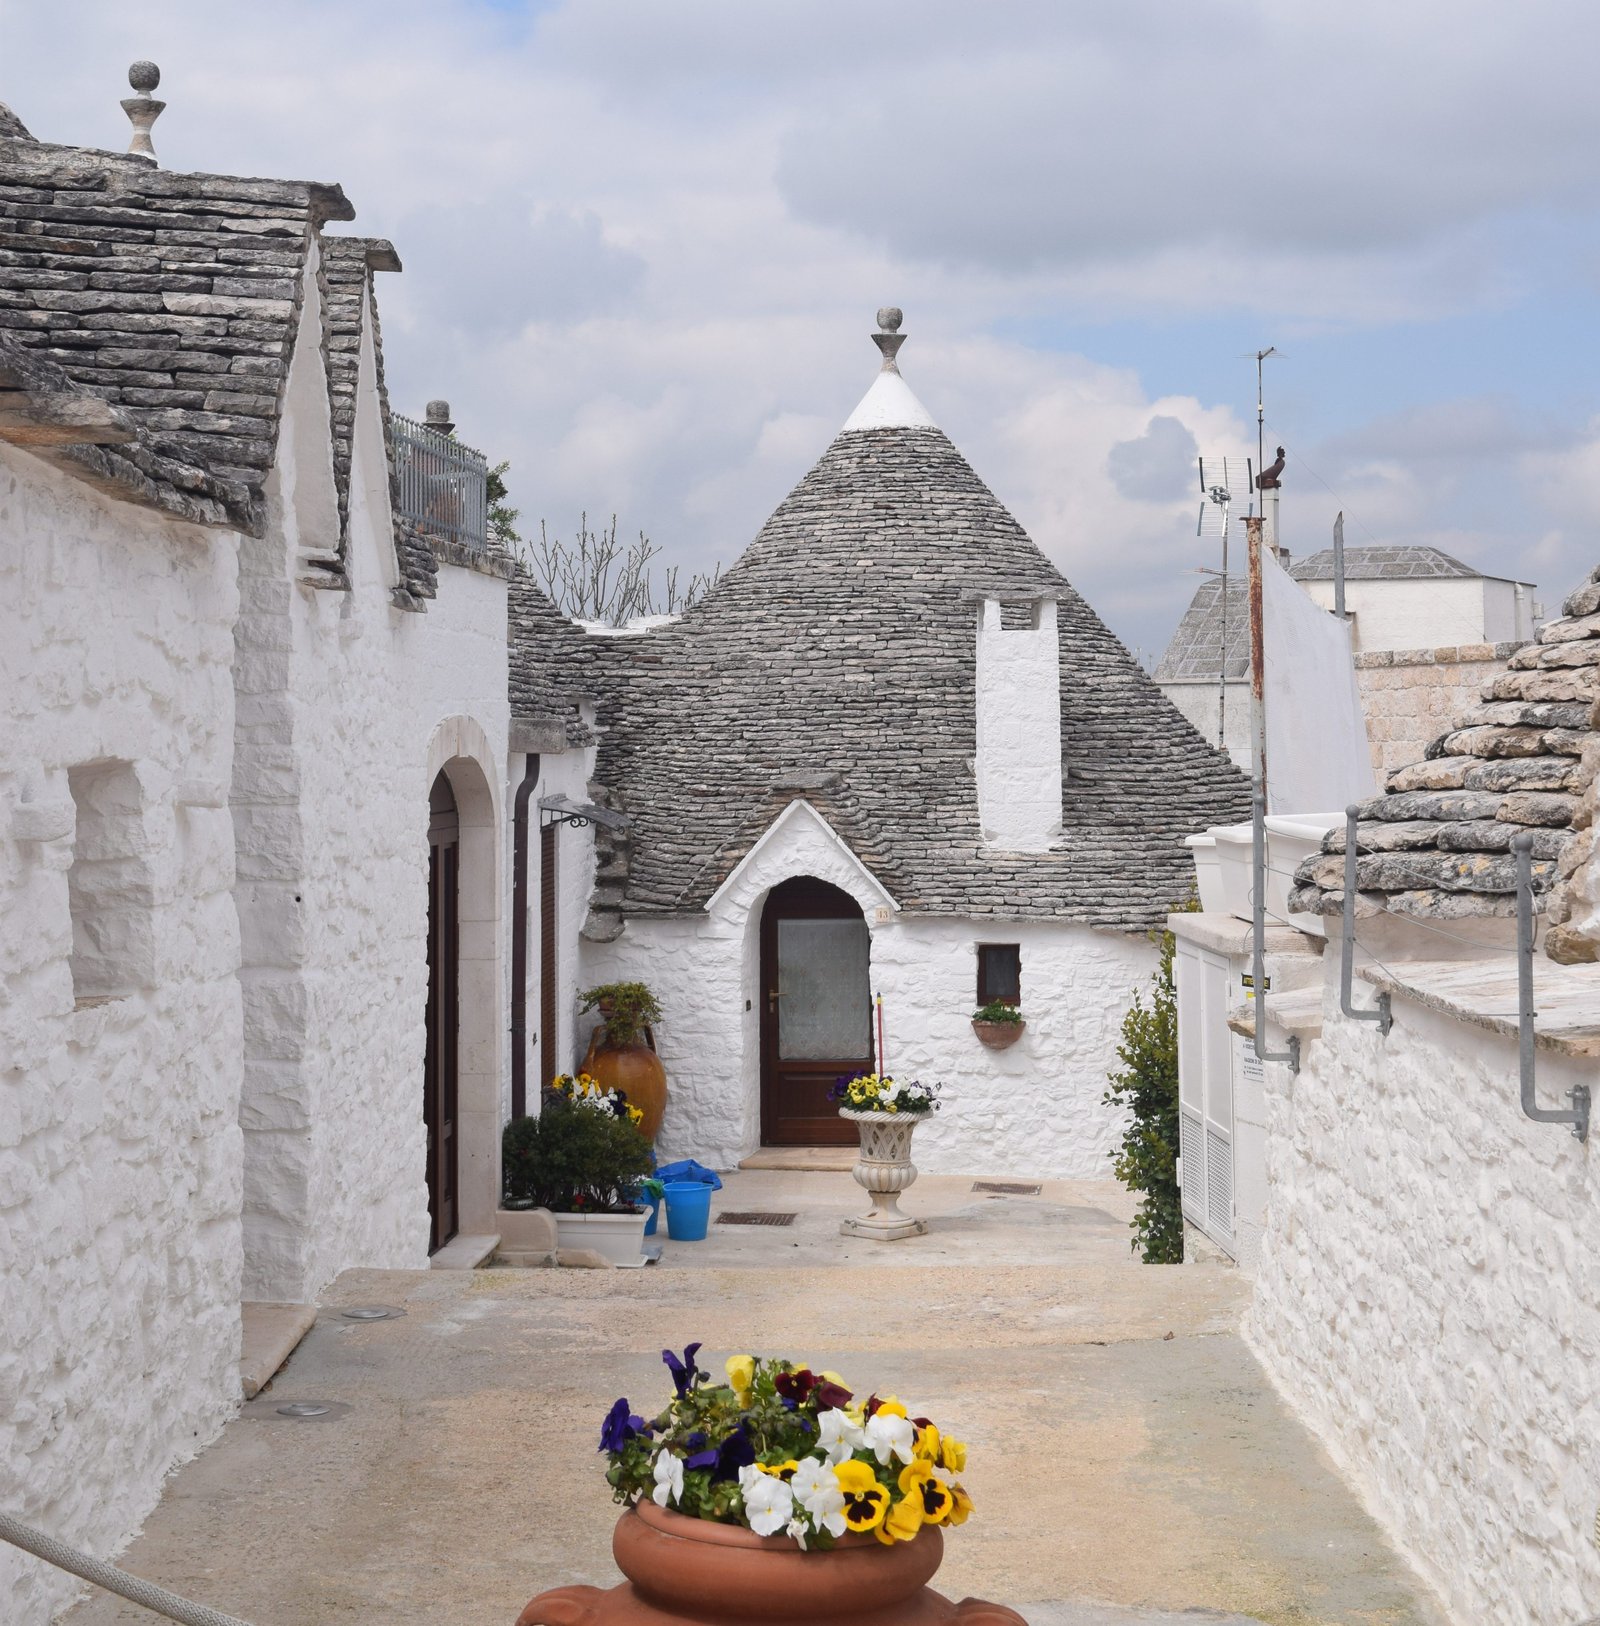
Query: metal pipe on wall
[
  {"x": 519, "y": 936},
  {"x": 1578, "y": 1113}
]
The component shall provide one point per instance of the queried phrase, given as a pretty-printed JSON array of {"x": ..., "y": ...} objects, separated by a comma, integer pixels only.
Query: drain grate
[
  {"x": 753, "y": 1218},
  {"x": 1005, "y": 1188}
]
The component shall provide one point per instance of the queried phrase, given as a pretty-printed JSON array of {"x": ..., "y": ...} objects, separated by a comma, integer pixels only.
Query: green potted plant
[
  {"x": 777, "y": 1494},
  {"x": 585, "y": 1159},
  {"x": 622, "y": 1049},
  {"x": 998, "y": 1024}
]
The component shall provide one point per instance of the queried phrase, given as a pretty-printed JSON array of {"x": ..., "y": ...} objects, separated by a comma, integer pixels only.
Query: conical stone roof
[
  {"x": 836, "y": 661},
  {"x": 1523, "y": 759}
]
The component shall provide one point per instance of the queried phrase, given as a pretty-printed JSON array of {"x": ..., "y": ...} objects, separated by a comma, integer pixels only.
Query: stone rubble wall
[
  {"x": 120, "y": 1157},
  {"x": 1412, "y": 696},
  {"x": 1032, "y": 1111},
  {"x": 1429, "y": 1299}
]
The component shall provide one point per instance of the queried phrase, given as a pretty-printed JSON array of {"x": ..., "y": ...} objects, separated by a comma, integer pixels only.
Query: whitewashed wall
[
  {"x": 1429, "y": 1299},
  {"x": 567, "y": 774},
  {"x": 119, "y": 1140},
  {"x": 1033, "y": 1110},
  {"x": 1432, "y": 612},
  {"x": 337, "y": 748}
]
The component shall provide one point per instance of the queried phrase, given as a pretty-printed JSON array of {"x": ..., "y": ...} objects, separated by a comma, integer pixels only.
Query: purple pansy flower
[
  {"x": 684, "y": 1375},
  {"x": 620, "y": 1426}
]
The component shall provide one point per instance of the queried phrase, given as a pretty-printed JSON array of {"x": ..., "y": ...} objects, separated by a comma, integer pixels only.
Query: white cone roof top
[{"x": 889, "y": 404}]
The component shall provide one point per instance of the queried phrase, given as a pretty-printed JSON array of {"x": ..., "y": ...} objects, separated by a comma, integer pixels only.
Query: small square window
[{"x": 1000, "y": 973}]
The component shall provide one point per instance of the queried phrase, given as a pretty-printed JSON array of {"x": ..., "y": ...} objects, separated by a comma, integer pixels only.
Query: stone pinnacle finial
[
  {"x": 143, "y": 110},
  {"x": 436, "y": 416},
  {"x": 890, "y": 338}
]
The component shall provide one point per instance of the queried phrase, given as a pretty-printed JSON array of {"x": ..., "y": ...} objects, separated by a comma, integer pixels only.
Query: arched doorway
[
  {"x": 440, "y": 1083},
  {"x": 816, "y": 1010}
]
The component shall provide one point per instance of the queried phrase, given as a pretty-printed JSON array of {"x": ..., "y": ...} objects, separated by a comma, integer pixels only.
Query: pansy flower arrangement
[
  {"x": 786, "y": 1451},
  {"x": 878, "y": 1092},
  {"x": 587, "y": 1091}
]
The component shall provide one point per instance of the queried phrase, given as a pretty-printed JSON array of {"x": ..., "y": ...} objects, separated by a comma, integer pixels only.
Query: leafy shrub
[
  {"x": 626, "y": 1008},
  {"x": 1147, "y": 1085},
  {"x": 997, "y": 1010},
  {"x": 574, "y": 1161}
]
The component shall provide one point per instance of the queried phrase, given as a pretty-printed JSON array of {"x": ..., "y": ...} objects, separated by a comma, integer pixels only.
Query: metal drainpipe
[
  {"x": 519, "y": 937},
  {"x": 1578, "y": 1113}
]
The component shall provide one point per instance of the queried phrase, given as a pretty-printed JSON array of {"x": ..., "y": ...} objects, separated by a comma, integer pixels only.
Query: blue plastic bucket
[
  {"x": 655, "y": 1215},
  {"x": 688, "y": 1211}
]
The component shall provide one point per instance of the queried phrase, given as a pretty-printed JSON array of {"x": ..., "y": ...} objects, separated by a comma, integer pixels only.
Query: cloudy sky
[{"x": 644, "y": 243}]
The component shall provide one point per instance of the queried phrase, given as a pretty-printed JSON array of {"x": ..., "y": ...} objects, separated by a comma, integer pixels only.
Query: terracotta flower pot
[
  {"x": 636, "y": 1070},
  {"x": 998, "y": 1035},
  {"x": 691, "y": 1572}
]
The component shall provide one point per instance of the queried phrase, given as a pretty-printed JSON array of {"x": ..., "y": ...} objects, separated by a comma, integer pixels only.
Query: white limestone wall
[
  {"x": 1429, "y": 1299},
  {"x": 1033, "y": 1110},
  {"x": 1036, "y": 1109},
  {"x": 119, "y": 1140},
  {"x": 1018, "y": 763},
  {"x": 353, "y": 706}
]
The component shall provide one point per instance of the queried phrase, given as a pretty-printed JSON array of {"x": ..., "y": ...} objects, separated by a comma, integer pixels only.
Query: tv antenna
[
  {"x": 1261, "y": 403},
  {"x": 1216, "y": 501}
]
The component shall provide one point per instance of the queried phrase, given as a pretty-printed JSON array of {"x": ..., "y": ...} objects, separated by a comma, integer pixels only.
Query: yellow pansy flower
[
  {"x": 928, "y": 1443},
  {"x": 780, "y": 1470},
  {"x": 891, "y": 1406},
  {"x": 952, "y": 1455},
  {"x": 904, "y": 1521},
  {"x": 865, "y": 1500},
  {"x": 934, "y": 1500},
  {"x": 741, "y": 1370},
  {"x": 962, "y": 1508}
]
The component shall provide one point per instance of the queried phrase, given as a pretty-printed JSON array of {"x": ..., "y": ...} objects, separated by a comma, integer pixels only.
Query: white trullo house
[
  {"x": 250, "y": 711},
  {"x": 893, "y": 753}
]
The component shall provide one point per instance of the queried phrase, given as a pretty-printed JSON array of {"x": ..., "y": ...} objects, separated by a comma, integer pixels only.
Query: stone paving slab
[{"x": 1129, "y": 1460}]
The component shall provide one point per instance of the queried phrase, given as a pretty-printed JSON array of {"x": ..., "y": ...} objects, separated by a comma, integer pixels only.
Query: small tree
[
  {"x": 502, "y": 516},
  {"x": 1147, "y": 1085}
]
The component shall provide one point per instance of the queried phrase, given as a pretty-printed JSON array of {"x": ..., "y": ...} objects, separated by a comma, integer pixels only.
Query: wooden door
[
  {"x": 439, "y": 1065},
  {"x": 816, "y": 1011}
]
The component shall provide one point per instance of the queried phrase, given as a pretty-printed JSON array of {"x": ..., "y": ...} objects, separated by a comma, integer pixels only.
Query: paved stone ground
[{"x": 1131, "y": 1465}]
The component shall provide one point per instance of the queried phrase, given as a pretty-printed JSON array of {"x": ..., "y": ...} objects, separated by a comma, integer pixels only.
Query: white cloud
[{"x": 644, "y": 243}]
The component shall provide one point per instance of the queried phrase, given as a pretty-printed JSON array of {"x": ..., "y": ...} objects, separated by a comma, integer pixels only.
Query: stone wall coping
[
  {"x": 1298, "y": 1011},
  {"x": 1227, "y": 934},
  {"x": 449, "y": 552},
  {"x": 1567, "y": 998},
  {"x": 1444, "y": 655}
]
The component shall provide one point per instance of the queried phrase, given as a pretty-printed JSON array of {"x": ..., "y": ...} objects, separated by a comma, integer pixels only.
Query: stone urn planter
[
  {"x": 633, "y": 1068},
  {"x": 884, "y": 1169},
  {"x": 998, "y": 1035},
  {"x": 693, "y": 1572}
]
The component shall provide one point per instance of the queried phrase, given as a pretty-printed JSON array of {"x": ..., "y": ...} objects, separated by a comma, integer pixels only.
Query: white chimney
[{"x": 1019, "y": 724}]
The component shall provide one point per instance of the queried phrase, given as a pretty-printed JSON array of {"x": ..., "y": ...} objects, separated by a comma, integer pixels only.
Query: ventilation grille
[
  {"x": 753, "y": 1218},
  {"x": 1219, "y": 1182},
  {"x": 1005, "y": 1188}
]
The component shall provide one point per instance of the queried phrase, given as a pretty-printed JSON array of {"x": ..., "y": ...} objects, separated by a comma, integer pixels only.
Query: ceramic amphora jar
[
  {"x": 636, "y": 1070},
  {"x": 691, "y": 1572}
]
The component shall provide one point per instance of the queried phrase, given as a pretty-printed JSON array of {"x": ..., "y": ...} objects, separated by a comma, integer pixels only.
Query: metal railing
[
  {"x": 444, "y": 484},
  {"x": 132, "y": 1587}
]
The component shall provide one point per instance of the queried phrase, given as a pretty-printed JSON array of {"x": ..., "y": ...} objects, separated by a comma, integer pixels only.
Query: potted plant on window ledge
[
  {"x": 998, "y": 1024},
  {"x": 622, "y": 1049},
  {"x": 585, "y": 1159}
]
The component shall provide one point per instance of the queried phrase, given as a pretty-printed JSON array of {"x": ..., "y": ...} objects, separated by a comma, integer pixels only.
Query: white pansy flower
[
  {"x": 797, "y": 1529},
  {"x": 838, "y": 1436},
  {"x": 669, "y": 1478},
  {"x": 891, "y": 1437},
  {"x": 768, "y": 1501},
  {"x": 816, "y": 1488}
]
